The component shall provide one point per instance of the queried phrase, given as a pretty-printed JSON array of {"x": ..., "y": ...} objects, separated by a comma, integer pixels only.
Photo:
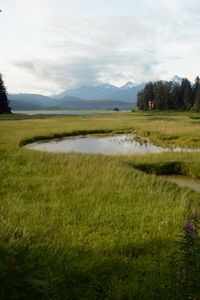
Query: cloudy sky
[{"x": 51, "y": 45}]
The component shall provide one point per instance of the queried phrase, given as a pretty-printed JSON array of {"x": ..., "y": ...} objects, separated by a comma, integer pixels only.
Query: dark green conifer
[
  {"x": 166, "y": 95},
  {"x": 177, "y": 97},
  {"x": 146, "y": 95},
  {"x": 197, "y": 100},
  {"x": 162, "y": 93},
  {"x": 195, "y": 87},
  {"x": 187, "y": 94},
  {"x": 4, "y": 103}
]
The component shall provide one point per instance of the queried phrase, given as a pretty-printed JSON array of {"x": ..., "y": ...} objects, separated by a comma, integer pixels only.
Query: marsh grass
[{"x": 81, "y": 226}]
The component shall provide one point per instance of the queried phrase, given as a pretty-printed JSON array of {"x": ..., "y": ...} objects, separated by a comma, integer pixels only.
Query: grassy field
[{"x": 78, "y": 226}]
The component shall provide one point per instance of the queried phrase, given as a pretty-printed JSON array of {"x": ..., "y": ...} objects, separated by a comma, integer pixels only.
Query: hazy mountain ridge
[
  {"x": 104, "y": 96},
  {"x": 70, "y": 104},
  {"x": 34, "y": 99},
  {"x": 32, "y": 102},
  {"x": 89, "y": 92},
  {"x": 95, "y": 104},
  {"x": 127, "y": 92}
]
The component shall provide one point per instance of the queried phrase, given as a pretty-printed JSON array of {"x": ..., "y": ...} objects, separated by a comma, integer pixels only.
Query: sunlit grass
[{"x": 78, "y": 226}]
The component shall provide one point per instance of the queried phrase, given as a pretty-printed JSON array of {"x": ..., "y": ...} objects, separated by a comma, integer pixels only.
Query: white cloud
[{"x": 56, "y": 45}]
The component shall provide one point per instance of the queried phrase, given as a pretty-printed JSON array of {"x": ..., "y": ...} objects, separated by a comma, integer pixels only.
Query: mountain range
[
  {"x": 104, "y": 96},
  {"x": 127, "y": 92}
]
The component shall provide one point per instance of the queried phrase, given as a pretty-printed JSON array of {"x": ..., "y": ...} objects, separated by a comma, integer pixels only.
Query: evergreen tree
[
  {"x": 187, "y": 94},
  {"x": 195, "y": 87},
  {"x": 168, "y": 95},
  {"x": 140, "y": 100},
  {"x": 197, "y": 100},
  {"x": 146, "y": 95},
  {"x": 149, "y": 92},
  {"x": 177, "y": 97},
  {"x": 4, "y": 103},
  {"x": 161, "y": 92}
]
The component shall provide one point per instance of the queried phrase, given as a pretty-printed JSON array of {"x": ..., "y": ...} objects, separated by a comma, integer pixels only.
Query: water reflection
[
  {"x": 118, "y": 144},
  {"x": 64, "y": 112}
]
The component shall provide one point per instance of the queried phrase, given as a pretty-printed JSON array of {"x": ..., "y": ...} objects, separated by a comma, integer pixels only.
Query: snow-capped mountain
[
  {"x": 90, "y": 92},
  {"x": 127, "y": 92},
  {"x": 104, "y": 96},
  {"x": 176, "y": 79},
  {"x": 129, "y": 85},
  {"x": 106, "y": 86}
]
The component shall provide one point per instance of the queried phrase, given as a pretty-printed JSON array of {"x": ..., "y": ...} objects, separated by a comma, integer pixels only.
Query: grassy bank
[{"x": 91, "y": 226}]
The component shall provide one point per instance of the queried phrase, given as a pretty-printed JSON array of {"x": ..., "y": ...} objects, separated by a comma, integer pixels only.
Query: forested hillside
[{"x": 165, "y": 95}]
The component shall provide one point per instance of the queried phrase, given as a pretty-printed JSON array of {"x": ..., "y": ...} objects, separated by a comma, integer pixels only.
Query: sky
[{"x": 48, "y": 46}]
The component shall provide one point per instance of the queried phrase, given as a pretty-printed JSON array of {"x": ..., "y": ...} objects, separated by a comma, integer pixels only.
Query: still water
[
  {"x": 117, "y": 144},
  {"x": 63, "y": 112}
]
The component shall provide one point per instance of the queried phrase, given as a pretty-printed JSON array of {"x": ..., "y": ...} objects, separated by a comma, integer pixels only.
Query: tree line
[
  {"x": 166, "y": 95},
  {"x": 4, "y": 103}
]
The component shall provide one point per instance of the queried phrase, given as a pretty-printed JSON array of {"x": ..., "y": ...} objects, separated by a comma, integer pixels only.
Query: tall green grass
[{"x": 78, "y": 226}]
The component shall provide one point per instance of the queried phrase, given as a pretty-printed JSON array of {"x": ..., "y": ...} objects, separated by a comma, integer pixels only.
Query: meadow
[{"x": 79, "y": 226}]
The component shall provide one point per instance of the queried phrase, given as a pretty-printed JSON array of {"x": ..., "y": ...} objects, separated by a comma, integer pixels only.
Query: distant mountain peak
[
  {"x": 129, "y": 85},
  {"x": 177, "y": 79},
  {"x": 104, "y": 91},
  {"x": 106, "y": 86}
]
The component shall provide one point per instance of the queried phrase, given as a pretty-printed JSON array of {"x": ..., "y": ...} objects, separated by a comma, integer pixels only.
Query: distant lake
[{"x": 63, "y": 112}]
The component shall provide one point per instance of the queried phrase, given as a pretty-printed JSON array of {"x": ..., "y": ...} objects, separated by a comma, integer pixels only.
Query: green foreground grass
[{"x": 77, "y": 226}]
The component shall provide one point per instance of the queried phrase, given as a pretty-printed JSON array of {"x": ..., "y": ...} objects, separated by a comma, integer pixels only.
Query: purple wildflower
[{"x": 190, "y": 229}]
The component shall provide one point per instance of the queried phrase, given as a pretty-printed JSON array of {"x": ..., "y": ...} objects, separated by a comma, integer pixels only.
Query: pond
[{"x": 116, "y": 144}]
